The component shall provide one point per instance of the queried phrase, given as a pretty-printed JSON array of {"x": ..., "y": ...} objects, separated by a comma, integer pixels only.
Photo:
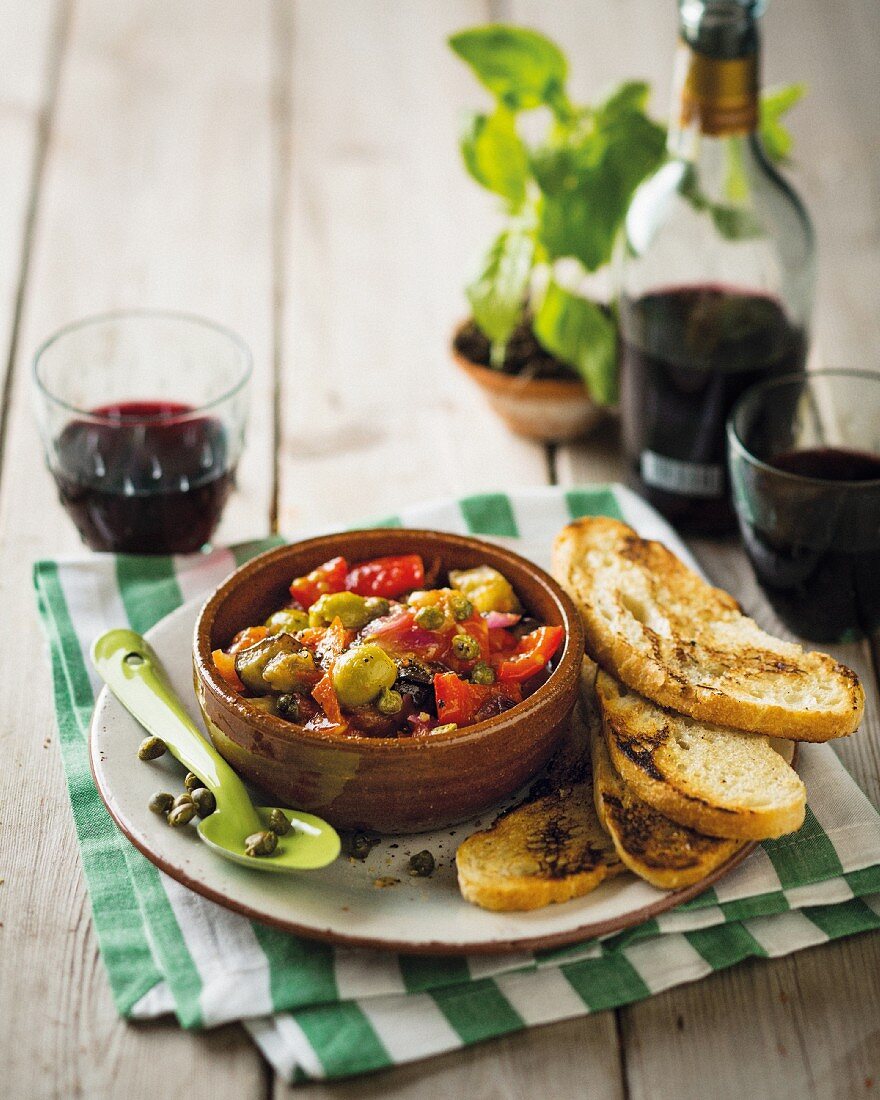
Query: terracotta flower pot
[{"x": 549, "y": 410}]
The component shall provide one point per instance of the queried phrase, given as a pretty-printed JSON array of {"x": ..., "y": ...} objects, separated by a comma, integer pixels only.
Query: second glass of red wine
[
  {"x": 716, "y": 276},
  {"x": 142, "y": 416},
  {"x": 805, "y": 471}
]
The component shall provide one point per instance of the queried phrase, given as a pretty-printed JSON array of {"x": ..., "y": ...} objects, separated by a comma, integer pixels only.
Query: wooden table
[{"x": 290, "y": 169}]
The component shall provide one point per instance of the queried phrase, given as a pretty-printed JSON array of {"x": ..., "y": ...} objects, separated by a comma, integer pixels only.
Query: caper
[
  {"x": 465, "y": 647},
  {"x": 446, "y": 727},
  {"x": 161, "y": 802},
  {"x": 191, "y": 781},
  {"x": 290, "y": 671},
  {"x": 350, "y": 608},
  {"x": 181, "y": 815},
  {"x": 360, "y": 674},
  {"x": 151, "y": 748},
  {"x": 429, "y": 618},
  {"x": 422, "y": 864},
  {"x": 361, "y": 845},
  {"x": 204, "y": 800},
  {"x": 289, "y": 707},
  {"x": 482, "y": 674},
  {"x": 460, "y": 606},
  {"x": 279, "y": 822},
  {"x": 389, "y": 701},
  {"x": 184, "y": 799},
  {"x": 376, "y": 607},
  {"x": 262, "y": 843},
  {"x": 289, "y": 620}
]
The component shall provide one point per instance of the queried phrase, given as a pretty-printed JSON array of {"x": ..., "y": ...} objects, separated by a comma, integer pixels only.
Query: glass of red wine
[
  {"x": 142, "y": 416},
  {"x": 804, "y": 456}
]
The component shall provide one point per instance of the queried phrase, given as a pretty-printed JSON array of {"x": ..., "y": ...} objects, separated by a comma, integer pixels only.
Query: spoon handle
[{"x": 128, "y": 665}]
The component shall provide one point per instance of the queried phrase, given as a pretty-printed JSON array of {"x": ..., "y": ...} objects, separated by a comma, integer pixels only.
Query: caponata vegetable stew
[{"x": 381, "y": 649}]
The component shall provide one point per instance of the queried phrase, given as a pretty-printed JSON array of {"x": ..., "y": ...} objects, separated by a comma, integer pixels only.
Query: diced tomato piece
[
  {"x": 325, "y": 693},
  {"x": 457, "y": 700},
  {"x": 336, "y": 641},
  {"x": 502, "y": 641},
  {"x": 531, "y": 654},
  {"x": 329, "y": 577},
  {"x": 247, "y": 637},
  {"x": 387, "y": 577},
  {"x": 225, "y": 665}
]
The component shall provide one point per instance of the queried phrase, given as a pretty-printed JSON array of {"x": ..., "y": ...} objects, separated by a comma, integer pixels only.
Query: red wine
[
  {"x": 819, "y": 560},
  {"x": 148, "y": 478},
  {"x": 687, "y": 354}
]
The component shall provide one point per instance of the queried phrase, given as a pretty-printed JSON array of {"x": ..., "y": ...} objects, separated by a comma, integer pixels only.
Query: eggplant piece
[{"x": 250, "y": 662}]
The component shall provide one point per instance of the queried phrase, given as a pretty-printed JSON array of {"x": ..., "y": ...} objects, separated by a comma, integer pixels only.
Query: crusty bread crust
[
  {"x": 661, "y": 629},
  {"x": 668, "y": 855},
  {"x": 747, "y": 792},
  {"x": 550, "y": 848}
]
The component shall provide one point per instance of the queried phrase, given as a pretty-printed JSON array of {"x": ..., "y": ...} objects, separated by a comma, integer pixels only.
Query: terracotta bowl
[{"x": 386, "y": 785}]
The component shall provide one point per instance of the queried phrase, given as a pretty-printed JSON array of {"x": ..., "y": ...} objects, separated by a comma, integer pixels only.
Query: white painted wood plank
[{"x": 156, "y": 191}]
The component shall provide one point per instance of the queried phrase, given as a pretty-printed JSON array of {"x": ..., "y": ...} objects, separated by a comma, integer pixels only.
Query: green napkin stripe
[
  {"x": 843, "y": 919},
  {"x": 477, "y": 1010},
  {"x": 489, "y": 514},
  {"x": 423, "y": 972},
  {"x": 702, "y": 901},
  {"x": 724, "y": 944},
  {"x": 341, "y": 1033},
  {"x": 807, "y": 856},
  {"x": 118, "y": 920},
  {"x": 606, "y": 982},
  {"x": 593, "y": 502},
  {"x": 244, "y": 551},
  {"x": 866, "y": 881},
  {"x": 149, "y": 589},
  {"x": 301, "y": 972},
  {"x": 386, "y": 521}
]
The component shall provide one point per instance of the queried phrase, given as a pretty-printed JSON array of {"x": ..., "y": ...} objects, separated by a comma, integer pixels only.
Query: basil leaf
[
  {"x": 497, "y": 294},
  {"x": 589, "y": 180},
  {"x": 580, "y": 333},
  {"x": 495, "y": 155},
  {"x": 520, "y": 67},
  {"x": 774, "y": 104}
]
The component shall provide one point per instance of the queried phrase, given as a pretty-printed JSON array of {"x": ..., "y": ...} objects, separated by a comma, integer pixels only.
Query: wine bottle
[{"x": 716, "y": 273}]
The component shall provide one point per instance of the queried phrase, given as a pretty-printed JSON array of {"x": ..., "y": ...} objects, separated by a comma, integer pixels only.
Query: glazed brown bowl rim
[{"x": 565, "y": 669}]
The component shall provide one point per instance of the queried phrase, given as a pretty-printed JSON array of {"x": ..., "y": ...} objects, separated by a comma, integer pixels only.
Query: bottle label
[
  {"x": 720, "y": 96},
  {"x": 688, "y": 479}
]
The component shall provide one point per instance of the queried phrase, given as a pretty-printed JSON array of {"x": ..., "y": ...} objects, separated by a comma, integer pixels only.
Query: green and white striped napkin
[{"x": 317, "y": 1011}]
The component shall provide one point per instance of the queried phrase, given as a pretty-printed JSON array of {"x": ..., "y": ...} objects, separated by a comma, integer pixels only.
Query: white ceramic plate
[{"x": 372, "y": 903}]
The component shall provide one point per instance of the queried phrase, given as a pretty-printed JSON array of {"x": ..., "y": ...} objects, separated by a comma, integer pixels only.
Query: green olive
[
  {"x": 422, "y": 864},
  {"x": 389, "y": 701},
  {"x": 263, "y": 843},
  {"x": 486, "y": 588},
  {"x": 151, "y": 748},
  {"x": 483, "y": 674},
  {"x": 376, "y": 606},
  {"x": 460, "y": 606},
  {"x": 182, "y": 814},
  {"x": 429, "y": 618},
  {"x": 290, "y": 671},
  {"x": 204, "y": 801},
  {"x": 349, "y": 607},
  {"x": 360, "y": 674},
  {"x": 279, "y": 822},
  {"x": 465, "y": 647},
  {"x": 250, "y": 662},
  {"x": 288, "y": 620},
  {"x": 161, "y": 802}
]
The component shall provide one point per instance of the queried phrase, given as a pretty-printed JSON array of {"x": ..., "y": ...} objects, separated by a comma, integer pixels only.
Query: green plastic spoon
[{"x": 129, "y": 666}]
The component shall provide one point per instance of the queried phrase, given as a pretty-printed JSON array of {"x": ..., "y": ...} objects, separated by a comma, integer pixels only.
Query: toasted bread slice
[
  {"x": 719, "y": 781},
  {"x": 654, "y": 847},
  {"x": 662, "y": 630},
  {"x": 551, "y": 848}
]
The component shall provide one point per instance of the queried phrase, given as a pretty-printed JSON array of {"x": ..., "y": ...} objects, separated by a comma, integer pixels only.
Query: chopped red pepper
[
  {"x": 246, "y": 638},
  {"x": 387, "y": 577},
  {"x": 329, "y": 577},
  {"x": 325, "y": 694},
  {"x": 531, "y": 654},
  {"x": 225, "y": 665},
  {"x": 461, "y": 702}
]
